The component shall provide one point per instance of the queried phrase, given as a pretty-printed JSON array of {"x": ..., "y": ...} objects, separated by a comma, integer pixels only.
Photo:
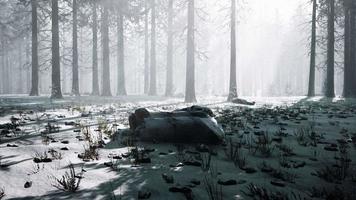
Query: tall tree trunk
[
  {"x": 147, "y": 54},
  {"x": 352, "y": 54},
  {"x": 329, "y": 90},
  {"x": 233, "y": 86},
  {"x": 75, "y": 72},
  {"x": 2, "y": 65},
  {"x": 21, "y": 80},
  {"x": 190, "y": 71},
  {"x": 347, "y": 70},
  {"x": 106, "y": 90},
  {"x": 95, "y": 89},
  {"x": 121, "y": 87},
  {"x": 56, "y": 68},
  {"x": 169, "y": 78},
  {"x": 311, "y": 88},
  {"x": 153, "y": 82},
  {"x": 7, "y": 88},
  {"x": 34, "y": 74}
]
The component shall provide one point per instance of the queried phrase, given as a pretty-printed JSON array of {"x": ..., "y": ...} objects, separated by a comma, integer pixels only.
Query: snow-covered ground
[{"x": 286, "y": 164}]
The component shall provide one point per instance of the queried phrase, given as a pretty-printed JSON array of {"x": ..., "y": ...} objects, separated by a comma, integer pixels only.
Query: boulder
[{"x": 194, "y": 125}]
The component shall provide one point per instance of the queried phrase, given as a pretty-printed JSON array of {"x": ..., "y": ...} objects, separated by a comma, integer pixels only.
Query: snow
[{"x": 101, "y": 182}]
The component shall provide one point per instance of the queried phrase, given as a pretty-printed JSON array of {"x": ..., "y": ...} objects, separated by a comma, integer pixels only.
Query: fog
[{"x": 272, "y": 51}]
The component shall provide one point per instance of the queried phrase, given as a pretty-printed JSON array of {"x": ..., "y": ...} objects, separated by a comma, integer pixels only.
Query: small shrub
[
  {"x": 91, "y": 152},
  {"x": 41, "y": 157},
  {"x": 2, "y": 193},
  {"x": 55, "y": 154},
  {"x": 285, "y": 150},
  {"x": 69, "y": 182},
  {"x": 234, "y": 153},
  {"x": 262, "y": 193},
  {"x": 205, "y": 159},
  {"x": 213, "y": 189},
  {"x": 301, "y": 136},
  {"x": 330, "y": 193},
  {"x": 264, "y": 145},
  {"x": 180, "y": 155}
]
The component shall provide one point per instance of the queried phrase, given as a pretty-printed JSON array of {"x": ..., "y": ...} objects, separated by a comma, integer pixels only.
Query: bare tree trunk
[
  {"x": 21, "y": 80},
  {"x": 121, "y": 87},
  {"x": 329, "y": 90},
  {"x": 106, "y": 90},
  {"x": 56, "y": 68},
  {"x": 2, "y": 65},
  {"x": 169, "y": 78},
  {"x": 153, "y": 82},
  {"x": 352, "y": 71},
  {"x": 311, "y": 88},
  {"x": 190, "y": 71},
  {"x": 75, "y": 72},
  {"x": 147, "y": 54},
  {"x": 95, "y": 89},
  {"x": 34, "y": 74},
  {"x": 233, "y": 84}
]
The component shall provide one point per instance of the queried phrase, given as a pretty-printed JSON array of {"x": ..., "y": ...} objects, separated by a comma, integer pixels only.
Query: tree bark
[
  {"x": 56, "y": 69},
  {"x": 106, "y": 90},
  {"x": 147, "y": 54},
  {"x": 75, "y": 73},
  {"x": 34, "y": 62},
  {"x": 153, "y": 90},
  {"x": 311, "y": 88},
  {"x": 169, "y": 78},
  {"x": 190, "y": 71},
  {"x": 329, "y": 90},
  {"x": 352, "y": 53},
  {"x": 121, "y": 87},
  {"x": 233, "y": 81},
  {"x": 95, "y": 84}
]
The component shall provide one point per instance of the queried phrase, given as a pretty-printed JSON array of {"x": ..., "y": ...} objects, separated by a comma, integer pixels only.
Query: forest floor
[{"x": 280, "y": 148}]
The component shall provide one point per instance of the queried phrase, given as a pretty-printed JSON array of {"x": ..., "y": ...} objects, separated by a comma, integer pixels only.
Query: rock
[
  {"x": 143, "y": 160},
  {"x": 117, "y": 157},
  {"x": 299, "y": 164},
  {"x": 266, "y": 169},
  {"x": 144, "y": 194},
  {"x": 177, "y": 165},
  {"x": 126, "y": 155},
  {"x": 188, "y": 126},
  {"x": 278, "y": 183},
  {"x": 69, "y": 123},
  {"x": 184, "y": 190},
  {"x": 240, "y": 182},
  {"x": 64, "y": 149},
  {"x": 192, "y": 163},
  {"x": 330, "y": 148},
  {"x": 12, "y": 145},
  {"x": 42, "y": 160},
  {"x": 28, "y": 184},
  {"x": 108, "y": 164},
  {"x": 65, "y": 142},
  {"x": 227, "y": 183},
  {"x": 195, "y": 182},
  {"x": 277, "y": 139},
  {"x": 168, "y": 178},
  {"x": 250, "y": 170},
  {"x": 163, "y": 153}
]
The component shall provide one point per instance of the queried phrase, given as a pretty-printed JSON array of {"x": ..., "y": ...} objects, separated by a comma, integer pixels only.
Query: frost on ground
[{"x": 280, "y": 148}]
